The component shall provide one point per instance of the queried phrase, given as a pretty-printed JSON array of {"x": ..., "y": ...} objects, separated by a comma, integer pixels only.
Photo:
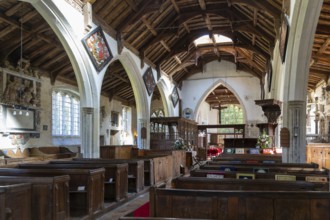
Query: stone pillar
[
  {"x": 317, "y": 115},
  {"x": 88, "y": 148},
  {"x": 296, "y": 153},
  {"x": 143, "y": 134}
]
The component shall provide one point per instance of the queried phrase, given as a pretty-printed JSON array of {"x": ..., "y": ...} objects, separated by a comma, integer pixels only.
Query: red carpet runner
[{"x": 142, "y": 211}]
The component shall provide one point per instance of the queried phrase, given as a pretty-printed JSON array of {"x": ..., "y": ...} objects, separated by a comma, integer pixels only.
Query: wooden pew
[
  {"x": 271, "y": 175},
  {"x": 159, "y": 218},
  {"x": 86, "y": 187},
  {"x": 51, "y": 152},
  {"x": 17, "y": 200},
  {"x": 149, "y": 176},
  {"x": 50, "y": 195},
  {"x": 246, "y": 184},
  {"x": 252, "y": 168},
  {"x": 2, "y": 205},
  {"x": 160, "y": 167},
  {"x": 249, "y": 158},
  {"x": 235, "y": 205},
  {"x": 116, "y": 189},
  {"x": 231, "y": 163},
  {"x": 135, "y": 169}
]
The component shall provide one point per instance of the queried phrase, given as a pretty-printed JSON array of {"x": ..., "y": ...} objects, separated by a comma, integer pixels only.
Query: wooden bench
[
  {"x": 178, "y": 159},
  {"x": 17, "y": 200},
  {"x": 50, "y": 195},
  {"x": 235, "y": 205},
  {"x": 2, "y": 205},
  {"x": 116, "y": 189},
  {"x": 252, "y": 168},
  {"x": 86, "y": 186},
  {"x": 135, "y": 169},
  {"x": 249, "y": 158},
  {"x": 159, "y": 218},
  {"x": 231, "y": 163},
  {"x": 51, "y": 152},
  {"x": 246, "y": 184},
  {"x": 149, "y": 176},
  {"x": 16, "y": 156},
  {"x": 161, "y": 169},
  {"x": 271, "y": 175}
]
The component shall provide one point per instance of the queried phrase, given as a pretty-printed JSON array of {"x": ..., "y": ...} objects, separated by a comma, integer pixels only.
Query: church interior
[{"x": 202, "y": 108}]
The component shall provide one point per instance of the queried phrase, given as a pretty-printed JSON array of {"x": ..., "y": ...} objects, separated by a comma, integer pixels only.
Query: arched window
[{"x": 65, "y": 113}]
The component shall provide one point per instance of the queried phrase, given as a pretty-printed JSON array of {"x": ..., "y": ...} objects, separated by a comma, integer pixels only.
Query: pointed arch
[
  {"x": 210, "y": 89},
  {"x": 165, "y": 93},
  {"x": 141, "y": 99},
  {"x": 87, "y": 85}
]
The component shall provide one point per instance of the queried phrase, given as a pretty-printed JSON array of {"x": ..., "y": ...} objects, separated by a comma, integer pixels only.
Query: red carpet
[{"x": 142, "y": 211}]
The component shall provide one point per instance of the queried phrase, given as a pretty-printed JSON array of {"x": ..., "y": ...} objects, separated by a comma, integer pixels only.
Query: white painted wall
[
  {"x": 246, "y": 88},
  {"x": 207, "y": 115},
  {"x": 46, "y": 139}
]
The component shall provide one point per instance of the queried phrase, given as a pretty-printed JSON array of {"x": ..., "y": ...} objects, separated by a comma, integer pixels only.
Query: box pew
[
  {"x": 252, "y": 168},
  {"x": 271, "y": 175},
  {"x": 249, "y": 158},
  {"x": 233, "y": 163},
  {"x": 50, "y": 195},
  {"x": 2, "y": 205},
  {"x": 135, "y": 169},
  {"x": 149, "y": 172},
  {"x": 235, "y": 205},
  {"x": 17, "y": 201},
  {"x": 159, "y": 218},
  {"x": 51, "y": 152},
  {"x": 86, "y": 186},
  {"x": 114, "y": 189},
  {"x": 204, "y": 183},
  {"x": 148, "y": 168},
  {"x": 160, "y": 167},
  {"x": 17, "y": 156}
]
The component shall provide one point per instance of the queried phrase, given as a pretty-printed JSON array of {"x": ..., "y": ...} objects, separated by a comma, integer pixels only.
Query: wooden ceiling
[
  {"x": 161, "y": 33},
  {"x": 320, "y": 61}
]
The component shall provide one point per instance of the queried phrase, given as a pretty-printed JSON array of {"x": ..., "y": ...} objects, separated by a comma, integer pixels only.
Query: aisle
[{"x": 126, "y": 208}]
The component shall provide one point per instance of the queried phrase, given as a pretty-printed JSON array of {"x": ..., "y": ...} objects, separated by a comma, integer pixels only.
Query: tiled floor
[{"x": 126, "y": 208}]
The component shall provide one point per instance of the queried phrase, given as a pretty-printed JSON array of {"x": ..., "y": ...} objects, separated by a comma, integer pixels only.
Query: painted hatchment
[{"x": 97, "y": 48}]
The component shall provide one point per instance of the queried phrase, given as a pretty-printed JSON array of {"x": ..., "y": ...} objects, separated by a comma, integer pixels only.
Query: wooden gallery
[{"x": 164, "y": 109}]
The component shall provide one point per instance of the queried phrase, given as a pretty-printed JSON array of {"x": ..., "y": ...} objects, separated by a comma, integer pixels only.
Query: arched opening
[{"x": 118, "y": 114}]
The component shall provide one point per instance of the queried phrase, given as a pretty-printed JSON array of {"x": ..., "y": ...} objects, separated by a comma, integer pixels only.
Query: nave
[{"x": 164, "y": 185}]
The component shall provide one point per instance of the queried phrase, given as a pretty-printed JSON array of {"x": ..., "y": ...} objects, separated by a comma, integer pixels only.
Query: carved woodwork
[
  {"x": 271, "y": 109},
  {"x": 168, "y": 30}
]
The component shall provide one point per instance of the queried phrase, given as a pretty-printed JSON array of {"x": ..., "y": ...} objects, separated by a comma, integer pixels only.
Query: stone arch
[
  {"x": 164, "y": 93},
  {"x": 89, "y": 97},
  {"x": 141, "y": 98},
  {"x": 210, "y": 89}
]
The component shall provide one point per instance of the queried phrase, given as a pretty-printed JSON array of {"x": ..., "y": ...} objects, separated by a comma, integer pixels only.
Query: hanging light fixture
[{"x": 20, "y": 112}]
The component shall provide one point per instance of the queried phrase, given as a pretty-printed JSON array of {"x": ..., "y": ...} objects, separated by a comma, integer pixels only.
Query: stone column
[
  {"x": 296, "y": 153},
  {"x": 317, "y": 115},
  {"x": 88, "y": 148},
  {"x": 143, "y": 130}
]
